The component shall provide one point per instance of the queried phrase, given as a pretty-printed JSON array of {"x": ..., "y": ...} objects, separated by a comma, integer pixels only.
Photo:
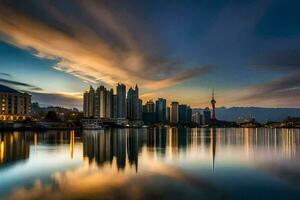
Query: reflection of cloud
[
  {"x": 20, "y": 84},
  {"x": 58, "y": 99},
  {"x": 90, "y": 181},
  {"x": 104, "y": 45}
]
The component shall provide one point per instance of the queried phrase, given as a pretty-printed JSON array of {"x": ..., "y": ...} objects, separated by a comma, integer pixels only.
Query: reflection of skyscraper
[
  {"x": 97, "y": 146},
  {"x": 132, "y": 147},
  {"x": 121, "y": 148}
]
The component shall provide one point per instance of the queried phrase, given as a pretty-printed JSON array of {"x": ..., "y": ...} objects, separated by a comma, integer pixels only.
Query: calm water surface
[{"x": 161, "y": 163}]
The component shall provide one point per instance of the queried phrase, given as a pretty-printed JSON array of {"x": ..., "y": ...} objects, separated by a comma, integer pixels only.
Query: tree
[{"x": 52, "y": 116}]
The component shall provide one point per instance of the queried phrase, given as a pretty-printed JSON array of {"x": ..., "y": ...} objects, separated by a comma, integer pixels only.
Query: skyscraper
[
  {"x": 197, "y": 118},
  {"x": 140, "y": 110},
  {"x": 174, "y": 115},
  {"x": 161, "y": 112},
  {"x": 149, "y": 115},
  {"x": 121, "y": 101},
  {"x": 168, "y": 114},
  {"x": 86, "y": 104},
  {"x": 149, "y": 106},
  {"x": 91, "y": 102},
  {"x": 182, "y": 109},
  {"x": 109, "y": 103},
  {"x": 133, "y": 104},
  {"x": 100, "y": 102},
  {"x": 189, "y": 114},
  {"x": 115, "y": 106},
  {"x": 206, "y": 116}
]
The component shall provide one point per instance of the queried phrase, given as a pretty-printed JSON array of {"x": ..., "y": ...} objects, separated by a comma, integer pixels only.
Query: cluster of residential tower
[{"x": 104, "y": 104}]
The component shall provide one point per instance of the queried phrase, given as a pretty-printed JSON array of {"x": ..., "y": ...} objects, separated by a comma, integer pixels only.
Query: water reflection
[
  {"x": 143, "y": 161},
  {"x": 104, "y": 145},
  {"x": 13, "y": 147}
]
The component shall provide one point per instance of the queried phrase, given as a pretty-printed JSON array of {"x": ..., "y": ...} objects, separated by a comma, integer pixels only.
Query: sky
[{"x": 247, "y": 51}]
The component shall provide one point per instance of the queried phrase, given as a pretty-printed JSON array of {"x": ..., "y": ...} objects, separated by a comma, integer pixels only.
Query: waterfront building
[
  {"x": 189, "y": 114},
  {"x": 114, "y": 109},
  {"x": 149, "y": 106},
  {"x": 206, "y": 116},
  {"x": 168, "y": 114},
  {"x": 182, "y": 111},
  {"x": 121, "y": 101},
  {"x": 100, "y": 102},
  {"x": 174, "y": 114},
  {"x": 109, "y": 103},
  {"x": 149, "y": 114},
  {"x": 197, "y": 118},
  {"x": 133, "y": 104},
  {"x": 86, "y": 104},
  {"x": 91, "y": 109},
  {"x": 14, "y": 105},
  {"x": 140, "y": 110},
  {"x": 161, "y": 112}
]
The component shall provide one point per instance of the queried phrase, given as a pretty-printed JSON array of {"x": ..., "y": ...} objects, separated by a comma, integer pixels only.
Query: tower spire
[{"x": 213, "y": 104}]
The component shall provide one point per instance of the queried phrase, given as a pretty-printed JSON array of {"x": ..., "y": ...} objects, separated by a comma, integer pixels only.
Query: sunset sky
[{"x": 248, "y": 51}]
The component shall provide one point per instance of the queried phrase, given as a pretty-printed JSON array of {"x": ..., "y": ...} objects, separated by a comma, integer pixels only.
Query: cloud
[
  {"x": 20, "y": 84},
  {"x": 284, "y": 60},
  {"x": 180, "y": 77},
  {"x": 94, "y": 42},
  {"x": 5, "y": 75},
  {"x": 58, "y": 99},
  {"x": 281, "y": 92}
]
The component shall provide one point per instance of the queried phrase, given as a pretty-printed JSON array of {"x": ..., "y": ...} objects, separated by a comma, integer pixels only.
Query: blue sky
[{"x": 249, "y": 51}]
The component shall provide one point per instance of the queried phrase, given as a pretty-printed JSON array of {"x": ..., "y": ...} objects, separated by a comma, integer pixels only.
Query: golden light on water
[{"x": 2, "y": 151}]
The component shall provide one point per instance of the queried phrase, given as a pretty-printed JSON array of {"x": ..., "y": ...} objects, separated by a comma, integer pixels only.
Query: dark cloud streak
[{"x": 17, "y": 84}]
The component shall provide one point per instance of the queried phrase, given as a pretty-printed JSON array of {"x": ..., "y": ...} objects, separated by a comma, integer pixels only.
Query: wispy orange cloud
[{"x": 101, "y": 49}]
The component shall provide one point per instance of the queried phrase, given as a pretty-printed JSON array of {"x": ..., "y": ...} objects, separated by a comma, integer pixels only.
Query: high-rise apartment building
[
  {"x": 121, "y": 101},
  {"x": 14, "y": 105},
  {"x": 134, "y": 110},
  {"x": 161, "y": 110},
  {"x": 149, "y": 106},
  {"x": 174, "y": 114},
  {"x": 206, "y": 116},
  {"x": 182, "y": 111}
]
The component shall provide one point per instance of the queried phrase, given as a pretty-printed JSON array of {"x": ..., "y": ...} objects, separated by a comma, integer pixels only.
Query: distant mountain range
[{"x": 261, "y": 115}]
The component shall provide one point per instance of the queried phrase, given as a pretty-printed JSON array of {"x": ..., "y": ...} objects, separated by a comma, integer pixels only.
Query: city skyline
[{"x": 248, "y": 51}]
